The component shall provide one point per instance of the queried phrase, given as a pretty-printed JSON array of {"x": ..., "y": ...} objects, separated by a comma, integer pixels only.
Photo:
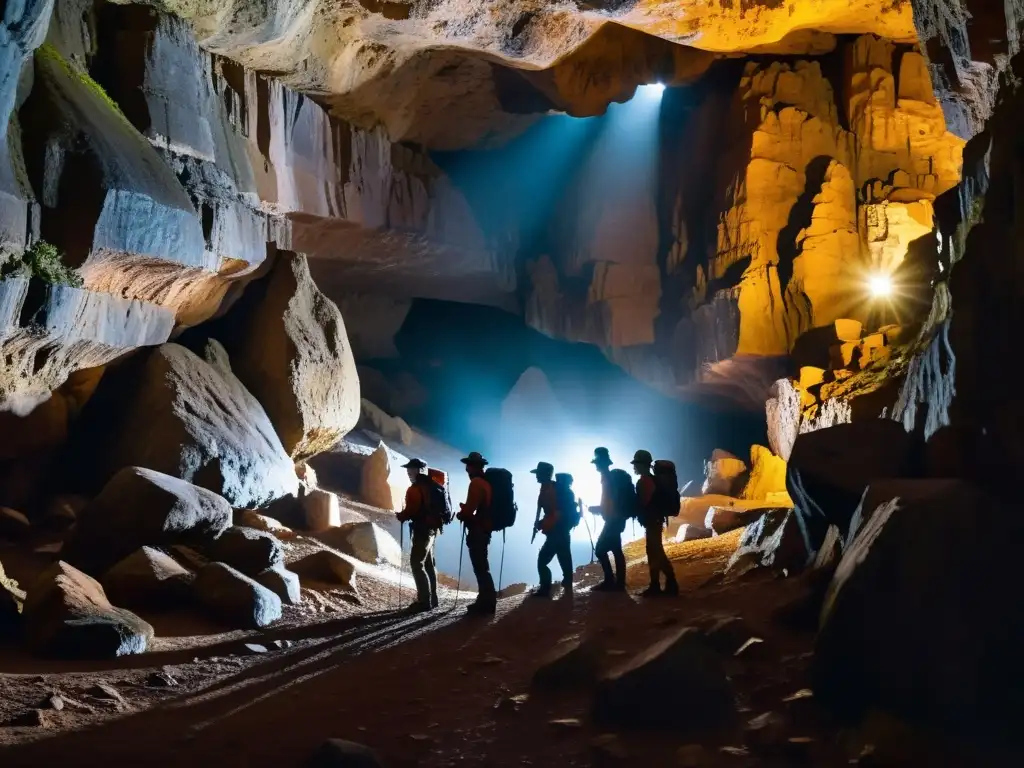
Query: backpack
[
  {"x": 623, "y": 494},
  {"x": 503, "y": 505},
  {"x": 438, "y": 505},
  {"x": 666, "y": 489},
  {"x": 568, "y": 509}
]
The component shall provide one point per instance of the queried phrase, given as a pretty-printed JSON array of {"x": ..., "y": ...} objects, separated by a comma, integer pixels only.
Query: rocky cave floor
[{"x": 440, "y": 690}]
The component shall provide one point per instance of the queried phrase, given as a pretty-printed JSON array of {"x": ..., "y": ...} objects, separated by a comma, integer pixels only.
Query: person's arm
[
  {"x": 549, "y": 504},
  {"x": 412, "y": 503},
  {"x": 476, "y": 498},
  {"x": 645, "y": 491}
]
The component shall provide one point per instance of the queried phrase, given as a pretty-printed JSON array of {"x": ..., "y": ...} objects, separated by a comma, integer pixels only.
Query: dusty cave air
[{"x": 255, "y": 256}]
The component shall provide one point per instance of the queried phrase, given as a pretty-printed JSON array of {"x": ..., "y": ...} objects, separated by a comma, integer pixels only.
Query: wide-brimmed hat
[
  {"x": 415, "y": 464},
  {"x": 642, "y": 458},
  {"x": 476, "y": 459},
  {"x": 601, "y": 456},
  {"x": 564, "y": 478},
  {"x": 543, "y": 468}
]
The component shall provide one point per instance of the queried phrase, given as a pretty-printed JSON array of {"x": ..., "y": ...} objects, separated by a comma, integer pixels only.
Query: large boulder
[
  {"x": 234, "y": 599},
  {"x": 382, "y": 486},
  {"x": 677, "y": 682},
  {"x": 249, "y": 519},
  {"x": 364, "y": 541},
  {"x": 724, "y": 474},
  {"x": 148, "y": 578},
  {"x": 920, "y": 619},
  {"x": 829, "y": 470},
  {"x": 283, "y": 583},
  {"x": 767, "y": 475},
  {"x": 140, "y": 507},
  {"x": 327, "y": 567},
  {"x": 321, "y": 510},
  {"x": 12, "y": 598},
  {"x": 773, "y": 540},
  {"x": 187, "y": 417},
  {"x": 67, "y": 614},
  {"x": 294, "y": 355},
  {"x": 246, "y": 549}
]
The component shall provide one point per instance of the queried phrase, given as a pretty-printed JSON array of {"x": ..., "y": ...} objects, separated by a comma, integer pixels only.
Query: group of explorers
[{"x": 490, "y": 507}]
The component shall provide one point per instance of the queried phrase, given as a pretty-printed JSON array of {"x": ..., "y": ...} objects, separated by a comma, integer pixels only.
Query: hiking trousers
[
  {"x": 424, "y": 572},
  {"x": 610, "y": 540},
  {"x": 477, "y": 543},
  {"x": 657, "y": 560},
  {"x": 556, "y": 544}
]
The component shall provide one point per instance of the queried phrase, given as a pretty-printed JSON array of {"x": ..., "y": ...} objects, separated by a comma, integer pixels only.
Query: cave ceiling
[{"x": 453, "y": 73}]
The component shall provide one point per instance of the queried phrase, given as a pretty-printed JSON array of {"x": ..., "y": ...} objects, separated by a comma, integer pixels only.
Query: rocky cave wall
[{"x": 801, "y": 148}]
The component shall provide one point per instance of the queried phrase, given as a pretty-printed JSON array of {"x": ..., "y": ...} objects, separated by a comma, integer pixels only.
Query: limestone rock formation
[
  {"x": 294, "y": 356},
  {"x": 68, "y": 614},
  {"x": 767, "y": 475},
  {"x": 393, "y": 428},
  {"x": 142, "y": 508},
  {"x": 723, "y": 474},
  {"x": 246, "y": 550},
  {"x": 235, "y": 599},
  {"x": 201, "y": 425},
  {"x": 148, "y": 579},
  {"x": 382, "y": 485},
  {"x": 364, "y": 541}
]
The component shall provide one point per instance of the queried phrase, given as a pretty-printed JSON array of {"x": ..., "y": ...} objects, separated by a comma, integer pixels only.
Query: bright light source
[
  {"x": 880, "y": 286},
  {"x": 651, "y": 91}
]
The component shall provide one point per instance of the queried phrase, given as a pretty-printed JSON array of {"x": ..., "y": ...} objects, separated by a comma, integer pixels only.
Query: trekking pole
[
  {"x": 501, "y": 567},
  {"x": 589, "y": 534},
  {"x": 458, "y": 583},
  {"x": 401, "y": 561}
]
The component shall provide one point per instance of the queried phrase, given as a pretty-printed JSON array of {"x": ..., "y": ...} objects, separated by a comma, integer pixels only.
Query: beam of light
[
  {"x": 650, "y": 91},
  {"x": 880, "y": 285}
]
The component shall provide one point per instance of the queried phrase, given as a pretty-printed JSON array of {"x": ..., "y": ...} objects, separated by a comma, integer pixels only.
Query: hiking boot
[
  {"x": 652, "y": 591},
  {"x": 480, "y": 609},
  {"x": 541, "y": 592},
  {"x": 671, "y": 590},
  {"x": 418, "y": 607},
  {"x": 433, "y": 602}
]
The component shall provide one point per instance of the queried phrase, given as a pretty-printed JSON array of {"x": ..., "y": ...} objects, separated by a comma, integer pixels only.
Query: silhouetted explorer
[
  {"x": 425, "y": 521},
  {"x": 556, "y": 525},
  {"x": 653, "y": 506},
  {"x": 616, "y": 508},
  {"x": 476, "y": 514}
]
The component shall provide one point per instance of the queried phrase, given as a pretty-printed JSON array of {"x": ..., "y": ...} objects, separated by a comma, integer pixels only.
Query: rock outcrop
[
  {"x": 290, "y": 350},
  {"x": 910, "y": 594},
  {"x": 234, "y": 599},
  {"x": 364, "y": 541},
  {"x": 143, "y": 508},
  {"x": 68, "y": 614},
  {"x": 148, "y": 578},
  {"x": 380, "y": 486},
  {"x": 201, "y": 425}
]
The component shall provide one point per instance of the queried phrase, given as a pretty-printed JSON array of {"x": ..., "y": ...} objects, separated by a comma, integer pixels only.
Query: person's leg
[
  {"x": 547, "y": 552},
  {"x": 604, "y": 544},
  {"x": 564, "y": 553},
  {"x": 417, "y": 557},
  {"x": 478, "y": 543},
  {"x": 664, "y": 564},
  {"x": 620, "y": 558},
  {"x": 431, "y": 568}
]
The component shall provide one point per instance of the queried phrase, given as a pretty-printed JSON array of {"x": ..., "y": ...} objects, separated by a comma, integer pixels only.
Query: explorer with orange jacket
[
  {"x": 425, "y": 522},
  {"x": 476, "y": 514}
]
